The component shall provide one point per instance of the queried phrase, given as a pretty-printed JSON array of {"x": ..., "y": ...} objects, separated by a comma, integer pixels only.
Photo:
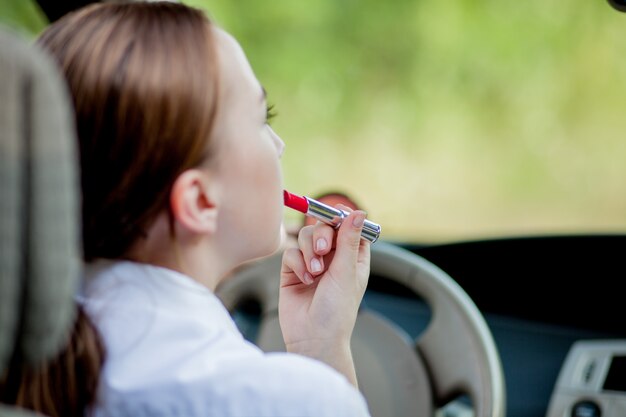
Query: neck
[{"x": 191, "y": 255}]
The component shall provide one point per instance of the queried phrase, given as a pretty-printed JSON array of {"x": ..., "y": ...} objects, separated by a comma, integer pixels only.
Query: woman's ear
[{"x": 193, "y": 203}]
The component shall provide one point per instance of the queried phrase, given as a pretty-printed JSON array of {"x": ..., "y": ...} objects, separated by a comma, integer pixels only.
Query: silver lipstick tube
[{"x": 334, "y": 217}]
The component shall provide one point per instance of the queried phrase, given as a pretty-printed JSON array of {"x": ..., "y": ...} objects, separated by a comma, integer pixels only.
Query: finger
[
  {"x": 323, "y": 236},
  {"x": 293, "y": 269},
  {"x": 344, "y": 208},
  {"x": 349, "y": 240},
  {"x": 306, "y": 242}
]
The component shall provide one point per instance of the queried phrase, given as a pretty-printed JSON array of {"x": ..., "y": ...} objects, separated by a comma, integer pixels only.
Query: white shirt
[{"x": 173, "y": 350}]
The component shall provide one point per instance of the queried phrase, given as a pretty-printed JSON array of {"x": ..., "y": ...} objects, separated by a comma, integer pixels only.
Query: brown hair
[
  {"x": 65, "y": 386},
  {"x": 143, "y": 78}
]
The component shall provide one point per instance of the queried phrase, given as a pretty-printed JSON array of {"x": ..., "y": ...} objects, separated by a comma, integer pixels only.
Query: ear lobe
[{"x": 193, "y": 206}]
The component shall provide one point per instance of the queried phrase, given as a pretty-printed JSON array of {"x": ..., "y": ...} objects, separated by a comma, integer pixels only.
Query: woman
[{"x": 182, "y": 183}]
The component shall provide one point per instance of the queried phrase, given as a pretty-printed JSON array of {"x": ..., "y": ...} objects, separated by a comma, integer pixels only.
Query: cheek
[
  {"x": 262, "y": 175},
  {"x": 270, "y": 195},
  {"x": 268, "y": 192},
  {"x": 255, "y": 192}
]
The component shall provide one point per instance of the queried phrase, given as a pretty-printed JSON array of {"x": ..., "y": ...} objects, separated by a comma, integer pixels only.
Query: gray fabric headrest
[{"x": 40, "y": 258}]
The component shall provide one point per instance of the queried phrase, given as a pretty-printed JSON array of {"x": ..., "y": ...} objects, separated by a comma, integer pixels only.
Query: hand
[{"x": 322, "y": 285}]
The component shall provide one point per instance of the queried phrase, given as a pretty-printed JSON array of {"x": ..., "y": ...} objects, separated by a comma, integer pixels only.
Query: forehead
[{"x": 236, "y": 77}]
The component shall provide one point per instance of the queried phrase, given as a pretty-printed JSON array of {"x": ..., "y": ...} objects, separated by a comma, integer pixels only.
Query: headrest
[{"x": 40, "y": 256}]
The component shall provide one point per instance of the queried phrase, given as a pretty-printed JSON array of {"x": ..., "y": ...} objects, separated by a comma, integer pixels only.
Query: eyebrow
[{"x": 264, "y": 95}]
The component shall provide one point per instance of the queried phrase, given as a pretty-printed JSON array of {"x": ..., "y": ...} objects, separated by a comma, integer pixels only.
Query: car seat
[{"x": 40, "y": 257}]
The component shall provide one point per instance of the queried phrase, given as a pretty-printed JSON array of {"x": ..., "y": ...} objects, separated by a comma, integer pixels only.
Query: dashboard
[
  {"x": 551, "y": 303},
  {"x": 592, "y": 381}
]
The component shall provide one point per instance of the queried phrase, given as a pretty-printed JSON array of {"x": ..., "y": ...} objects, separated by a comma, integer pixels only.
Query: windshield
[{"x": 447, "y": 120}]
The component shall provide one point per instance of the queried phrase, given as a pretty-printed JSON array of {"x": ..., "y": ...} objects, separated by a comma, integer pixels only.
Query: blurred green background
[{"x": 444, "y": 120}]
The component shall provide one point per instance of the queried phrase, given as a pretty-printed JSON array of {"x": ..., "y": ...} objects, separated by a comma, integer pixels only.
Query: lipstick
[{"x": 328, "y": 214}]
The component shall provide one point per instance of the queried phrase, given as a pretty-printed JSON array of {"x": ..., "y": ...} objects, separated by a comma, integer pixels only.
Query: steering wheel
[{"x": 455, "y": 355}]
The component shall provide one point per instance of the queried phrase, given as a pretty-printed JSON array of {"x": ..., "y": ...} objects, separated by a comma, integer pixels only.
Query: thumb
[{"x": 349, "y": 240}]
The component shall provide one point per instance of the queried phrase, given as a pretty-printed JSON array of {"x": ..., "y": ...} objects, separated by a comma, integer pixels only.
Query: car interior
[
  {"x": 40, "y": 256},
  {"x": 522, "y": 326},
  {"x": 545, "y": 352}
]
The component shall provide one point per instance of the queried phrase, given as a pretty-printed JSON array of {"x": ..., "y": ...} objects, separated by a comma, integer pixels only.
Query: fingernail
[
  {"x": 358, "y": 220},
  {"x": 308, "y": 279},
  {"x": 320, "y": 244},
  {"x": 316, "y": 266}
]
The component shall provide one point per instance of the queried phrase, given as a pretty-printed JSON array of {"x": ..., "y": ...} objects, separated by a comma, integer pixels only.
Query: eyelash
[{"x": 271, "y": 113}]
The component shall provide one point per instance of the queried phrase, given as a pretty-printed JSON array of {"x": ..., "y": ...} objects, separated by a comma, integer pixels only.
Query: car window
[
  {"x": 23, "y": 16},
  {"x": 444, "y": 120},
  {"x": 448, "y": 120}
]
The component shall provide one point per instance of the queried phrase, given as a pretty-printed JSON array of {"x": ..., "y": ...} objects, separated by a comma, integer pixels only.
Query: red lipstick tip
[{"x": 295, "y": 202}]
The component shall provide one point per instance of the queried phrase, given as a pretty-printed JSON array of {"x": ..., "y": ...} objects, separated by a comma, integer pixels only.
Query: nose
[{"x": 278, "y": 142}]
